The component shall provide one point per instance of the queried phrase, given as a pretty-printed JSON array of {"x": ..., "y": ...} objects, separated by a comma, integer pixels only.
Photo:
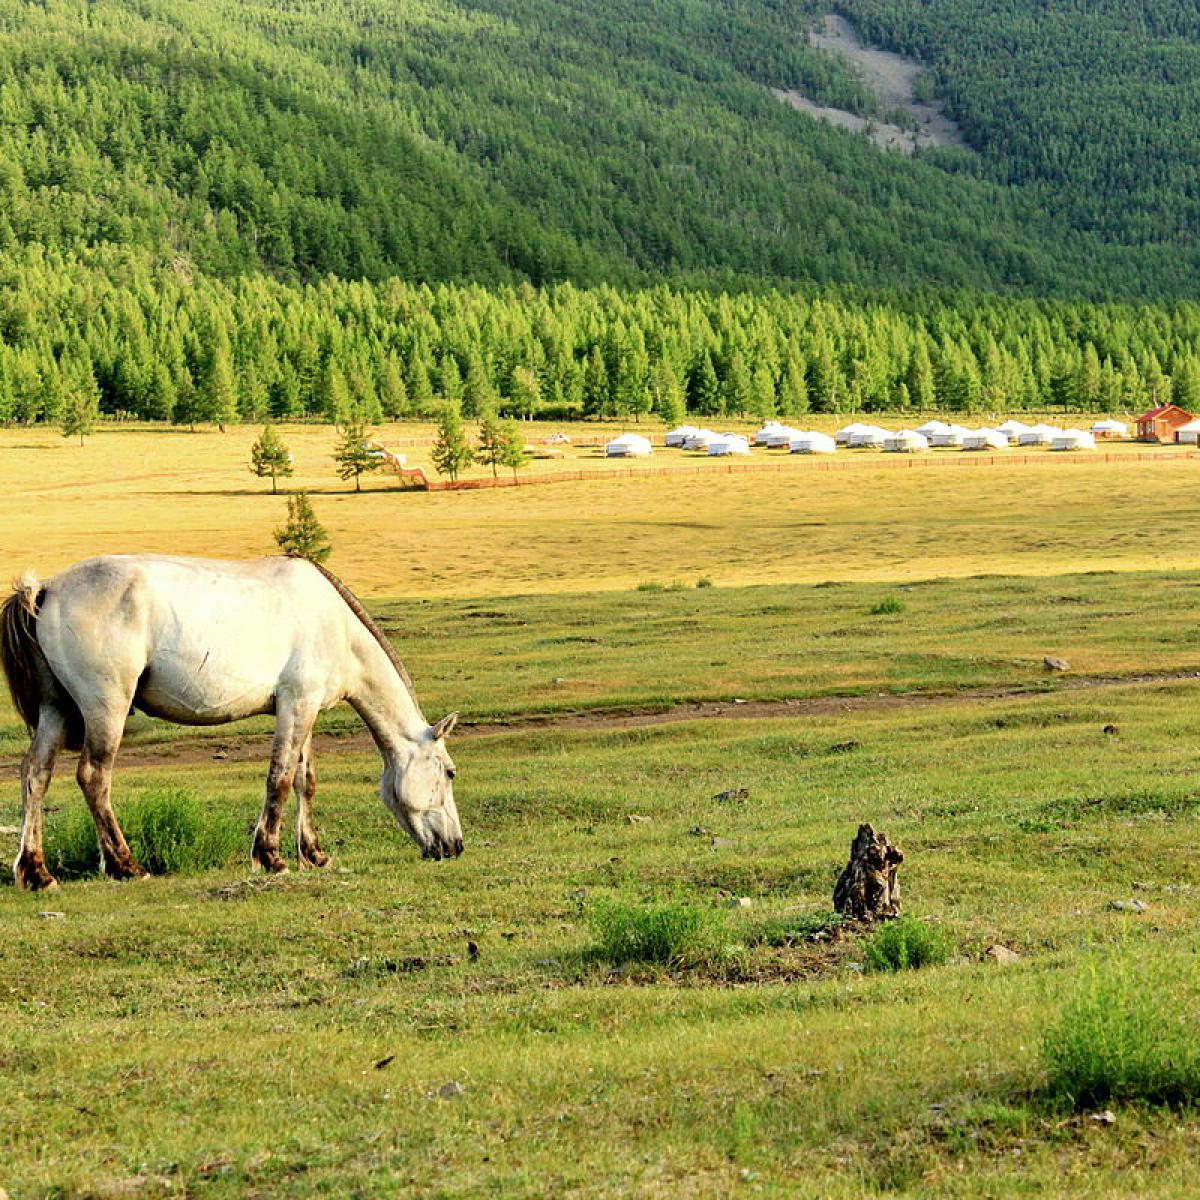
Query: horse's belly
[{"x": 200, "y": 696}]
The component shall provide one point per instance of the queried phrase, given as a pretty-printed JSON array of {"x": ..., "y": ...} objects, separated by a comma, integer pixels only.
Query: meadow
[{"x": 390, "y": 1027}]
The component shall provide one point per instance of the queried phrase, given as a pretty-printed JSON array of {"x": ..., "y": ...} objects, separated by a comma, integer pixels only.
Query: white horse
[{"x": 202, "y": 642}]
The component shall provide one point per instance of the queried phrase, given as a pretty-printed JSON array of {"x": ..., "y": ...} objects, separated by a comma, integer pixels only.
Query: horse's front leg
[
  {"x": 308, "y": 848},
  {"x": 94, "y": 775},
  {"x": 36, "y": 769},
  {"x": 291, "y": 732}
]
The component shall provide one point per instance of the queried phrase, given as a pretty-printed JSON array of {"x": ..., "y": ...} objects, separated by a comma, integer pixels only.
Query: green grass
[
  {"x": 222, "y": 1030},
  {"x": 496, "y": 658},
  {"x": 907, "y": 943},
  {"x": 671, "y": 933},
  {"x": 889, "y": 606},
  {"x": 1128, "y": 1034},
  {"x": 169, "y": 831}
]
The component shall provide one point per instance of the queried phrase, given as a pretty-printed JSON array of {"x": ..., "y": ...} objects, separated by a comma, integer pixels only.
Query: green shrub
[
  {"x": 887, "y": 607},
  {"x": 668, "y": 932},
  {"x": 1125, "y": 1036},
  {"x": 704, "y": 582},
  {"x": 907, "y": 942},
  {"x": 650, "y": 585},
  {"x": 169, "y": 831}
]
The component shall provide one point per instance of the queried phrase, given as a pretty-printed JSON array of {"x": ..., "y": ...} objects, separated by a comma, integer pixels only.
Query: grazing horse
[{"x": 202, "y": 642}]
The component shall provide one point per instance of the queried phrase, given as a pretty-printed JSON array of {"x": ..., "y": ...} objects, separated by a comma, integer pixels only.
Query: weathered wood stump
[{"x": 868, "y": 889}]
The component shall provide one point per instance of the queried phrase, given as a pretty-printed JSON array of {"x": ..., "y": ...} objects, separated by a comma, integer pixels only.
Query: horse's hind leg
[
  {"x": 36, "y": 769},
  {"x": 308, "y": 848},
  {"x": 94, "y": 775},
  {"x": 291, "y": 732}
]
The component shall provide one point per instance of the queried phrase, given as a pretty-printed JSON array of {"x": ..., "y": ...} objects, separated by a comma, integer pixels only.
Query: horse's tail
[{"x": 25, "y": 666}]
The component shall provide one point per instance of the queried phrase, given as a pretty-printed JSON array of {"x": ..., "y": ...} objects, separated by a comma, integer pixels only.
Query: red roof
[{"x": 1162, "y": 410}]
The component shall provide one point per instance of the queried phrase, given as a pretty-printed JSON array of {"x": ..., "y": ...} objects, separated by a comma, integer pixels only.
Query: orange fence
[{"x": 813, "y": 463}]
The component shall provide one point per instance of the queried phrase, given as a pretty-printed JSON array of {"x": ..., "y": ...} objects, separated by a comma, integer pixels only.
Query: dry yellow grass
[{"x": 135, "y": 489}]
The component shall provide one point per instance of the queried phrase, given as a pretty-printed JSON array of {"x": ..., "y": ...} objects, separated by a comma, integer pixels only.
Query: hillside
[{"x": 507, "y": 140}]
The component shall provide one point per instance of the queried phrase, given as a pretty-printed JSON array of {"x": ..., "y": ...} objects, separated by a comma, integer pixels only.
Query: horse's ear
[{"x": 445, "y": 726}]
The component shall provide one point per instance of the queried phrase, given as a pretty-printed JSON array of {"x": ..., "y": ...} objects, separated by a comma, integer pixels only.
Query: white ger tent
[
  {"x": 869, "y": 436},
  {"x": 952, "y": 435},
  {"x": 729, "y": 443},
  {"x": 931, "y": 427},
  {"x": 985, "y": 439},
  {"x": 905, "y": 441},
  {"x": 1188, "y": 434},
  {"x": 1073, "y": 439},
  {"x": 1012, "y": 429},
  {"x": 628, "y": 445},
  {"x": 843, "y": 435},
  {"x": 1039, "y": 435},
  {"x": 676, "y": 437},
  {"x": 1108, "y": 428},
  {"x": 781, "y": 436},
  {"x": 813, "y": 443},
  {"x": 700, "y": 439},
  {"x": 762, "y": 436}
]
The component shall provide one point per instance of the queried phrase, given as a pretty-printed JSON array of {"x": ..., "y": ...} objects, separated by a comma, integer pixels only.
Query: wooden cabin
[{"x": 1161, "y": 423}]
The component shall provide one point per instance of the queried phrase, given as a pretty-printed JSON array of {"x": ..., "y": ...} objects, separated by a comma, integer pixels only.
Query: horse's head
[{"x": 420, "y": 793}]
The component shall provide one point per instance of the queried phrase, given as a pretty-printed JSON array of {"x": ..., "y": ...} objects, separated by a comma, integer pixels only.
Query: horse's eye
[{"x": 449, "y": 772}]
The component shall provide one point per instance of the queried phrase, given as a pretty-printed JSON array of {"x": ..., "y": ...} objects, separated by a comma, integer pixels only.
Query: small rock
[
  {"x": 857, "y": 968},
  {"x": 1107, "y": 1117},
  {"x": 450, "y": 1091},
  {"x": 1110, "y": 730},
  {"x": 720, "y": 843},
  {"x": 739, "y": 902},
  {"x": 700, "y": 831},
  {"x": 52, "y": 916},
  {"x": 1002, "y": 955},
  {"x": 729, "y": 794},
  {"x": 559, "y": 681},
  {"x": 736, "y": 700},
  {"x": 1133, "y": 906},
  {"x": 747, "y": 1176},
  {"x": 1055, "y": 664},
  {"x": 221, "y": 754},
  {"x": 635, "y": 818}
]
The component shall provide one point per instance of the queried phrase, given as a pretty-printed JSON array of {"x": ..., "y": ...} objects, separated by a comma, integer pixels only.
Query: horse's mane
[{"x": 356, "y": 607}]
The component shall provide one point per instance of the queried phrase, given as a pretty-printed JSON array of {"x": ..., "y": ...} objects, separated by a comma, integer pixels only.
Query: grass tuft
[
  {"x": 907, "y": 943},
  {"x": 169, "y": 831},
  {"x": 667, "y": 932},
  {"x": 887, "y": 607},
  {"x": 704, "y": 582},
  {"x": 1125, "y": 1036}
]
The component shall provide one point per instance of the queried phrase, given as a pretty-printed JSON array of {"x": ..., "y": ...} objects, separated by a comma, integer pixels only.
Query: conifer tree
[
  {"x": 269, "y": 457},
  {"x": 303, "y": 536},
  {"x": 217, "y": 400},
  {"x": 451, "y": 451},
  {"x": 512, "y": 446},
  {"x": 491, "y": 440},
  {"x": 525, "y": 391},
  {"x": 353, "y": 456},
  {"x": 81, "y": 403}
]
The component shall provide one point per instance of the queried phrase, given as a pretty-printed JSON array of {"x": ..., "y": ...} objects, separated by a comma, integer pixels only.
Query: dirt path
[{"x": 256, "y": 747}]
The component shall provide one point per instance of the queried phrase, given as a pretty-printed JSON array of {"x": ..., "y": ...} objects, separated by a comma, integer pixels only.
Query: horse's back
[{"x": 192, "y": 640}]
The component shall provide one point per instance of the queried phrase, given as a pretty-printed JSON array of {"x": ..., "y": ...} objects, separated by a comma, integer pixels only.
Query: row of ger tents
[{"x": 932, "y": 434}]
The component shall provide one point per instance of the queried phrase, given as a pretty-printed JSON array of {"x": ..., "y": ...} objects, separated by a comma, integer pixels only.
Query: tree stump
[{"x": 868, "y": 889}]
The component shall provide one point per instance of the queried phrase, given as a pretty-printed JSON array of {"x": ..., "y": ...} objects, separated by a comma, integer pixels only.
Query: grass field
[
  {"x": 177, "y": 492},
  {"x": 221, "y": 1034}
]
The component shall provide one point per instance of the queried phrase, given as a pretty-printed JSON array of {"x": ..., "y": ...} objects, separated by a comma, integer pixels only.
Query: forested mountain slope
[{"x": 623, "y": 142}]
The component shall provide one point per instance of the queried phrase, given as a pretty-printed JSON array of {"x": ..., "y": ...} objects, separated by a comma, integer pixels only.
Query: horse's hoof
[
  {"x": 31, "y": 874},
  {"x": 126, "y": 871},
  {"x": 313, "y": 858}
]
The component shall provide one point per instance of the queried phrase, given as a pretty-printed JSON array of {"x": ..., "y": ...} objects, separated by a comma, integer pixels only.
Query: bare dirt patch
[{"x": 891, "y": 78}]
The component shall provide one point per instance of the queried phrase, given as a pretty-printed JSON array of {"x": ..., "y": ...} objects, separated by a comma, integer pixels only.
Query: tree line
[{"x": 155, "y": 345}]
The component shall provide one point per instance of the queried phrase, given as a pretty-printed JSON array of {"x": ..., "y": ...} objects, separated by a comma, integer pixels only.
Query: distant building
[{"x": 1160, "y": 424}]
